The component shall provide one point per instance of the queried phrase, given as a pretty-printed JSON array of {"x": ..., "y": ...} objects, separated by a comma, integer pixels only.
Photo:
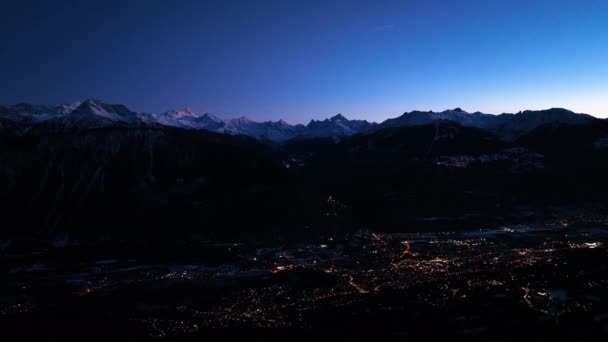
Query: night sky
[{"x": 299, "y": 60}]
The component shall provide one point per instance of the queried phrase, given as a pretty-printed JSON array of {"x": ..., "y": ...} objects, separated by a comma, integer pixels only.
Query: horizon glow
[{"x": 297, "y": 60}]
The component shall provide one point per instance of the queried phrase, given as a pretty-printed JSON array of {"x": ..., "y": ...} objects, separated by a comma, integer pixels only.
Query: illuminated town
[{"x": 479, "y": 283}]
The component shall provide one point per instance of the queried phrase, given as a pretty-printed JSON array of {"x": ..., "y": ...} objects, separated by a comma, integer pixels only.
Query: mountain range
[
  {"x": 99, "y": 169},
  {"x": 23, "y": 118}
]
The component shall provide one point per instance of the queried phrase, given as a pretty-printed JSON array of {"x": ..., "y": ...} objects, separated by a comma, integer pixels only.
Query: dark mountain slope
[
  {"x": 393, "y": 178},
  {"x": 576, "y": 164},
  {"x": 139, "y": 181}
]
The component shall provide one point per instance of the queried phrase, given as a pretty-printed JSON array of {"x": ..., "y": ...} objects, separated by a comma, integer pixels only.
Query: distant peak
[
  {"x": 550, "y": 111},
  {"x": 560, "y": 110},
  {"x": 210, "y": 117},
  {"x": 338, "y": 117},
  {"x": 242, "y": 119},
  {"x": 88, "y": 105},
  {"x": 92, "y": 102},
  {"x": 68, "y": 107},
  {"x": 188, "y": 112},
  {"x": 458, "y": 109},
  {"x": 72, "y": 104}
]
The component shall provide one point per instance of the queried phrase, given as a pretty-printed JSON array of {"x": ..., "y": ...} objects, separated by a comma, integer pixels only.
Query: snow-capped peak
[
  {"x": 67, "y": 108},
  {"x": 25, "y": 112},
  {"x": 178, "y": 114},
  {"x": 184, "y": 113},
  {"x": 242, "y": 119},
  {"x": 95, "y": 113},
  {"x": 209, "y": 116},
  {"x": 186, "y": 118},
  {"x": 113, "y": 112},
  {"x": 338, "y": 117}
]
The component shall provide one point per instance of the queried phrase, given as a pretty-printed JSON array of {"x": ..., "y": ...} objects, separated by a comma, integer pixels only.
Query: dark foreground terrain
[
  {"x": 438, "y": 228},
  {"x": 513, "y": 282}
]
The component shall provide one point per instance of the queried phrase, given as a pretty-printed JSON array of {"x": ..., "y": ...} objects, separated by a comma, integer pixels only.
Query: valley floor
[{"x": 511, "y": 282}]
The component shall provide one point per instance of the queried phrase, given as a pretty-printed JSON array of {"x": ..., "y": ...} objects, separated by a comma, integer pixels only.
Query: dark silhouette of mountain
[
  {"x": 93, "y": 169},
  {"x": 21, "y": 118},
  {"x": 138, "y": 180}
]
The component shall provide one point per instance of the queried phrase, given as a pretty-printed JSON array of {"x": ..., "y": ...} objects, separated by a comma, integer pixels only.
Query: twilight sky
[{"x": 299, "y": 60}]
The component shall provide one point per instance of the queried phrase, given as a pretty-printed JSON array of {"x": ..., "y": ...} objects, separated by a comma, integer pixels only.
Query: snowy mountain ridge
[{"x": 95, "y": 113}]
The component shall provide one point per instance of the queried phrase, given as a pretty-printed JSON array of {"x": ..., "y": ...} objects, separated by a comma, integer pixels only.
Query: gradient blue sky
[{"x": 299, "y": 60}]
